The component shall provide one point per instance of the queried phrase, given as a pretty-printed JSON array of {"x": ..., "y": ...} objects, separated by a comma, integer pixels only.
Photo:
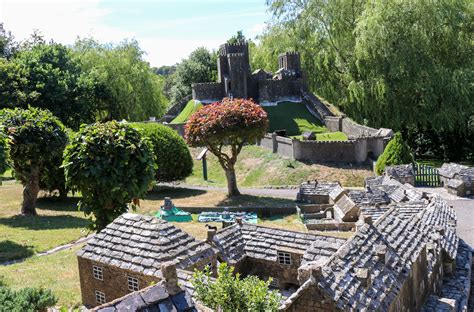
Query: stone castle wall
[
  {"x": 270, "y": 90},
  {"x": 208, "y": 91}
]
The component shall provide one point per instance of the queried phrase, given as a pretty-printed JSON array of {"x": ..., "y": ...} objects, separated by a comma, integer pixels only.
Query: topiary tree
[
  {"x": 233, "y": 123},
  {"x": 3, "y": 153},
  {"x": 112, "y": 165},
  {"x": 229, "y": 293},
  {"x": 173, "y": 159},
  {"x": 37, "y": 139},
  {"x": 397, "y": 152}
]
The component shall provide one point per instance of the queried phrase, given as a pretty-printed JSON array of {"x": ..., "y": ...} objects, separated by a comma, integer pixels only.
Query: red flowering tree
[{"x": 232, "y": 123}]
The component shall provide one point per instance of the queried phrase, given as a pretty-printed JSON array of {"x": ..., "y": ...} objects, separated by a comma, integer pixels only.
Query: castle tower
[
  {"x": 290, "y": 61},
  {"x": 234, "y": 68}
]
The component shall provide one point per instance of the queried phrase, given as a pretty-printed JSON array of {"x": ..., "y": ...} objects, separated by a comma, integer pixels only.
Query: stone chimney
[
  {"x": 381, "y": 253},
  {"x": 238, "y": 220},
  {"x": 363, "y": 275},
  {"x": 170, "y": 277},
  {"x": 210, "y": 235},
  {"x": 310, "y": 270}
]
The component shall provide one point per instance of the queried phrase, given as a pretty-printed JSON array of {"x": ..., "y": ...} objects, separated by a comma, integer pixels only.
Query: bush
[
  {"x": 111, "y": 164},
  {"x": 229, "y": 293},
  {"x": 37, "y": 141},
  {"x": 397, "y": 152},
  {"x": 26, "y": 299},
  {"x": 3, "y": 153},
  {"x": 173, "y": 159}
]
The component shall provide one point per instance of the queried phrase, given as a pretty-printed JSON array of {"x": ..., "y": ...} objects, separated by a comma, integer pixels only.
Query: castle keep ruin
[{"x": 236, "y": 80}]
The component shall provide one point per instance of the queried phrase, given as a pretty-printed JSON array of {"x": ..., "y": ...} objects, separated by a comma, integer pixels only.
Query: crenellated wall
[
  {"x": 270, "y": 90},
  {"x": 208, "y": 91}
]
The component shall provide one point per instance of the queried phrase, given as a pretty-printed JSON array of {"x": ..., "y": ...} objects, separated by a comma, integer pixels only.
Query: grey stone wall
[
  {"x": 312, "y": 300},
  {"x": 353, "y": 129},
  {"x": 208, "y": 91},
  {"x": 333, "y": 123},
  {"x": 315, "y": 104},
  {"x": 270, "y": 90}
]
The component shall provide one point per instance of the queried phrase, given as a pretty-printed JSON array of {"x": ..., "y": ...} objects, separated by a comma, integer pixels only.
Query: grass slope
[
  {"x": 257, "y": 167},
  {"x": 294, "y": 117},
  {"x": 190, "y": 108}
]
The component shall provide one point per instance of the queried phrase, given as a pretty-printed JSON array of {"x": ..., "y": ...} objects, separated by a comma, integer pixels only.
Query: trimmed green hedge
[
  {"x": 397, "y": 152},
  {"x": 173, "y": 158}
]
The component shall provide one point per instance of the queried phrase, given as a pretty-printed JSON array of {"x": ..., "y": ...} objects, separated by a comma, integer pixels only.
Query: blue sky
[{"x": 168, "y": 30}]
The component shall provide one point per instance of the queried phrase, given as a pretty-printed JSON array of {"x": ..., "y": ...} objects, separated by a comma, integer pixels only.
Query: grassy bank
[{"x": 190, "y": 108}]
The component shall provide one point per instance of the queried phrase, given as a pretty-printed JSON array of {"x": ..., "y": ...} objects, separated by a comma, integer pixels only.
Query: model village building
[
  {"x": 457, "y": 179},
  {"x": 404, "y": 255}
]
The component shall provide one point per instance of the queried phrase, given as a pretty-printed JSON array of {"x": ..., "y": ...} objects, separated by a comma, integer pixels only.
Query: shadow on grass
[
  {"x": 56, "y": 203},
  {"x": 44, "y": 222},
  {"x": 10, "y": 250},
  {"x": 159, "y": 193},
  {"x": 257, "y": 201}
]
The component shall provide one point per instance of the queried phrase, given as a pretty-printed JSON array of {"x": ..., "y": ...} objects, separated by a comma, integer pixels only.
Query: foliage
[
  {"x": 397, "y": 152},
  {"x": 200, "y": 66},
  {"x": 26, "y": 299},
  {"x": 37, "y": 141},
  {"x": 129, "y": 88},
  {"x": 173, "y": 159},
  {"x": 8, "y": 46},
  {"x": 3, "y": 153},
  {"x": 392, "y": 63},
  {"x": 111, "y": 164},
  {"x": 232, "y": 122},
  {"x": 230, "y": 293},
  {"x": 191, "y": 107},
  {"x": 47, "y": 76}
]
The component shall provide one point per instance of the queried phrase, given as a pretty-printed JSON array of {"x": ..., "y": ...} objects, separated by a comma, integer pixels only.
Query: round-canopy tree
[
  {"x": 37, "y": 139},
  {"x": 112, "y": 166},
  {"x": 397, "y": 152},
  {"x": 173, "y": 159},
  {"x": 232, "y": 122}
]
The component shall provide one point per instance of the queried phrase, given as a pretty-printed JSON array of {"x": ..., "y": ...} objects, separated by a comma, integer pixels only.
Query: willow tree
[{"x": 231, "y": 123}]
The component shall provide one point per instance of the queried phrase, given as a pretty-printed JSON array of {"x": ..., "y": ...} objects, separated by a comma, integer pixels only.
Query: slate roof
[
  {"x": 155, "y": 298},
  {"x": 403, "y": 237},
  {"x": 448, "y": 170},
  {"x": 401, "y": 171},
  {"x": 370, "y": 196},
  {"x": 318, "y": 188},
  {"x": 142, "y": 243},
  {"x": 247, "y": 240}
]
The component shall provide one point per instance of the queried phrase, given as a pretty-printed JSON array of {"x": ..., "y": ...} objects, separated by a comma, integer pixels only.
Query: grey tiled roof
[
  {"x": 142, "y": 243},
  {"x": 404, "y": 238},
  {"x": 448, "y": 170},
  {"x": 454, "y": 183},
  {"x": 401, "y": 171},
  {"x": 370, "y": 196},
  {"x": 318, "y": 188},
  {"x": 247, "y": 240},
  {"x": 154, "y": 298},
  {"x": 373, "y": 181},
  {"x": 374, "y": 212}
]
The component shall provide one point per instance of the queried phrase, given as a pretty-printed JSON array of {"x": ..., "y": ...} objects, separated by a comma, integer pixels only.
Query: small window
[
  {"x": 99, "y": 297},
  {"x": 274, "y": 283},
  {"x": 97, "y": 272},
  {"x": 132, "y": 283},
  {"x": 284, "y": 258}
]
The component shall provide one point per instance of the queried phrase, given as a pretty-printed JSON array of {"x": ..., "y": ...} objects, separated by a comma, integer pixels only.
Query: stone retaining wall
[
  {"x": 208, "y": 91},
  {"x": 260, "y": 210},
  {"x": 270, "y": 90}
]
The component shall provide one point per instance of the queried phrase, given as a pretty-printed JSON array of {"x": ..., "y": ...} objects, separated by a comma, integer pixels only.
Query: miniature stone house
[
  {"x": 129, "y": 253},
  {"x": 401, "y": 173},
  {"x": 457, "y": 179}
]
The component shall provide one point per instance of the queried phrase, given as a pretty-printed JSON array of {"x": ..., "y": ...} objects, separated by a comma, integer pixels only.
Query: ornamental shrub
[
  {"x": 36, "y": 140},
  {"x": 112, "y": 165},
  {"x": 229, "y": 293},
  {"x": 3, "y": 153},
  {"x": 26, "y": 299},
  {"x": 232, "y": 122},
  {"x": 397, "y": 152},
  {"x": 173, "y": 159}
]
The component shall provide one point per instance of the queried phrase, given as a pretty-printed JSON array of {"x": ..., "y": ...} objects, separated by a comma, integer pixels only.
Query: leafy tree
[
  {"x": 129, "y": 88},
  {"x": 37, "y": 139},
  {"x": 112, "y": 166},
  {"x": 397, "y": 152},
  {"x": 25, "y": 299},
  {"x": 201, "y": 66},
  {"x": 173, "y": 159},
  {"x": 3, "y": 153},
  {"x": 232, "y": 122},
  {"x": 8, "y": 46},
  {"x": 230, "y": 293}
]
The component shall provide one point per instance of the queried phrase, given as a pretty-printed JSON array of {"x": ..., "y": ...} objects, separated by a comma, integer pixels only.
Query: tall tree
[{"x": 231, "y": 123}]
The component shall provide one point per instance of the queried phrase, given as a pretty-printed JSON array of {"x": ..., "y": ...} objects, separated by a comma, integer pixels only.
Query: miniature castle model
[
  {"x": 404, "y": 255},
  {"x": 236, "y": 80}
]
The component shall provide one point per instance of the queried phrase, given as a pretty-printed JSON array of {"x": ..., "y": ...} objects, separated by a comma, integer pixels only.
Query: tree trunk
[
  {"x": 232, "y": 189},
  {"x": 30, "y": 193}
]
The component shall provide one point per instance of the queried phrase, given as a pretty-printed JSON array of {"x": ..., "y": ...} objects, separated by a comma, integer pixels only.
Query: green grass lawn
[
  {"x": 257, "y": 167},
  {"x": 294, "y": 117},
  {"x": 190, "y": 108},
  {"x": 328, "y": 136}
]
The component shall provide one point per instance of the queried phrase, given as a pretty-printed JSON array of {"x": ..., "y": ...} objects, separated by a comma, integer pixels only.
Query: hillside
[
  {"x": 191, "y": 107},
  {"x": 257, "y": 167}
]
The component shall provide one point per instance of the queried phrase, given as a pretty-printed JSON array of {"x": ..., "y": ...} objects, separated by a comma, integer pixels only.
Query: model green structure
[{"x": 170, "y": 213}]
